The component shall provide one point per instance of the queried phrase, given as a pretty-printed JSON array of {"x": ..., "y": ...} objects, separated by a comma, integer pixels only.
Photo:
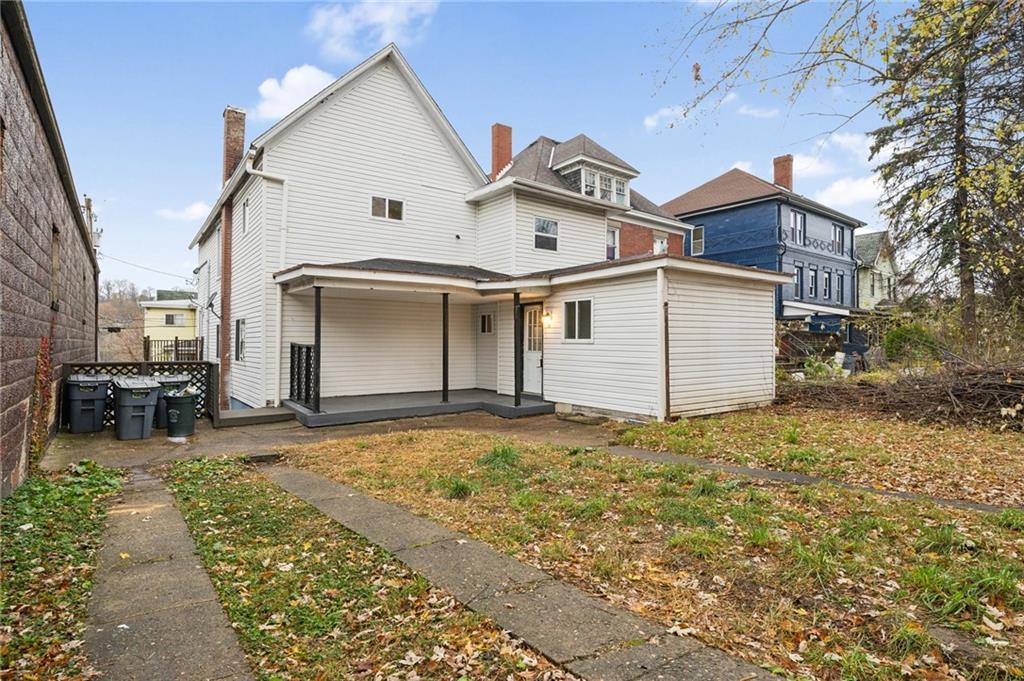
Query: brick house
[{"x": 48, "y": 268}]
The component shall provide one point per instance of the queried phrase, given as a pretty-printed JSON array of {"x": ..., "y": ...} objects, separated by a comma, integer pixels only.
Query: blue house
[{"x": 742, "y": 219}]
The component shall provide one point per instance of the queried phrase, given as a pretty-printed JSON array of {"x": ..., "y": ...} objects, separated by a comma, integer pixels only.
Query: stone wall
[{"x": 35, "y": 313}]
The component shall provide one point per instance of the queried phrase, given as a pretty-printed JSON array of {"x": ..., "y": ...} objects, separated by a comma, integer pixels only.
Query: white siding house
[{"x": 376, "y": 271}]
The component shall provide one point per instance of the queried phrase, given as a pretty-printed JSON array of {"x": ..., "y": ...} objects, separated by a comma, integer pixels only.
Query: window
[
  {"x": 798, "y": 227},
  {"x": 589, "y": 183},
  {"x": 606, "y": 188},
  {"x": 613, "y": 243},
  {"x": 216, "y": 342},
  {"x": 245, "y": 215},
  {"x": 826, "y": 285},
  {"x": 487, "y": 323},
  {"x": 578, "y": 320},
  {"x": 798, "y": 281},
  {"x": 239, "y": 339},
  {"x": 545, "y": 234},
  {"x": 620, "y": 192},
  {"x": 812, "y": 283},
  {"x": 390, "y": 209},
  {"x": 660, "y": 243},
  {"x": 838, "y": 239},
  {"x": 872, "y": 283},
  {"x": 174, "y": 320},
  {"x": 840, "y": 287},
  {"x": 534, "y": 329},
  {"x": 697, "y": 241},
  {"x": 54, "y": 268},
  {"x": 890, "y": 288}
]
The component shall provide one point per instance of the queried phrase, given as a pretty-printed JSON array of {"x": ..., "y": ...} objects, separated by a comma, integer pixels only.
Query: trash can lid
[
  {"x": 135, "y": 382},
  {"x": 176, "y": 378},
  {"x": 89, "y": 378}
]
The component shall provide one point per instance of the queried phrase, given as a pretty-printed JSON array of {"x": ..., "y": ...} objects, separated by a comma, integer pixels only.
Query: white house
[{"x": 359, "y": 264}]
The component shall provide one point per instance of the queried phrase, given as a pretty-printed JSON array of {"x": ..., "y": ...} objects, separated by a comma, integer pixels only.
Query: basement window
[
  {"x": 579, "y": 320},
  {"x": 389, "y": 209},
  {"x": 545, "y": 234}
]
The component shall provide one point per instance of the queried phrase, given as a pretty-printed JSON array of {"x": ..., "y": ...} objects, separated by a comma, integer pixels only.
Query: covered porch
[{"x": 381, "y": 340}]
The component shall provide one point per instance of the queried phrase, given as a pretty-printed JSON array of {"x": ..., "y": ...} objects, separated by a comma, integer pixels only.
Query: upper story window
[
  {"x": 545, "y": 234},
  {"x": 798, "y": 281},
  {"x": 840, "y": 286},
  {"x": 174, "y": 320},
  {"x": 620, "y": 192},
  {"x": 838, "y": 239},
  {"x": 812, "y": 283},
  {"x": 613, "y": 243},
  {"x": 872, "y": 283},
  {"x": 798, "y": 227},
  {"x": 826, "y": 285},
  {"x": 697, "y": 241},
  {"x": 590, "y": 183},
  {"x": 390, "y": 209},
  {"x": 605, "y": 187},
  {"x": 660, "y": 243}
]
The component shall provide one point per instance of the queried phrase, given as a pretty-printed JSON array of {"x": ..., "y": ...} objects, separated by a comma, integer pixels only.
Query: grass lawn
[
  {"x": 50, "y": 530},
  {"x": 311, "y": 600},
  {"x": 955, "y": 462},
  {"x": 813, "y": 581}
]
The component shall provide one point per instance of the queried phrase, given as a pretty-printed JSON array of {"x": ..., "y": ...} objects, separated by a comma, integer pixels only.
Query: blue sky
[{"x": 139, "y": 90}]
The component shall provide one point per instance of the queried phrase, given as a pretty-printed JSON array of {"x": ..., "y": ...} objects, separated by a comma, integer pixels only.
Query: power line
[{"x": 143, "y": 267}]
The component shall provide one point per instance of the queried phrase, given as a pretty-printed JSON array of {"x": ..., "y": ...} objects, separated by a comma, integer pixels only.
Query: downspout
[
  {"x": 664, "y": 376},
  {"x": 281, "y": 253}
]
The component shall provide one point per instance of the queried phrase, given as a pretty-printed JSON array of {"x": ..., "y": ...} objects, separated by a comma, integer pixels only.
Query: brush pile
[{"x": 956, "y": 394}]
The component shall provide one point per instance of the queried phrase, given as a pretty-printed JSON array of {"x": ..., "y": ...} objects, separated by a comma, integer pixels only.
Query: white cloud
[
  {"x": 857, "y": 144},
  {"x": 348, "y": 32},
  {"x": 756, "y": 111},
  {"x": 280, "y": 97},
  {"x": 812, "y": 166},
  {"x": 745, "y": 166},
  {"x": 665, "y": 113},
  {"x": 850, "y": 191},
  {"x": 190, "y": 213},
  {"x": 730, "y": 97}
]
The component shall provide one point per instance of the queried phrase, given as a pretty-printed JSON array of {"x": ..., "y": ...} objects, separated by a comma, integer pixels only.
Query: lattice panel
[{"x": 198, "y": 372}]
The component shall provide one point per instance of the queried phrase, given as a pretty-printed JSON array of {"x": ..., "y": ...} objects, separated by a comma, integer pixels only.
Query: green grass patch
[
  {"x": 1011, "y": 519},
  {"x": 700, "y": 543},
  {"x": 50, "y": 531},
  {"x": 684, "y": 512},
  {"x": 501, "y": 457}
]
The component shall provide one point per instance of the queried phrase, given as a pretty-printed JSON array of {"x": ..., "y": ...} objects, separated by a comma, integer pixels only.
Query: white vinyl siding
[
  {"x": 618, "y": 370},
  {"x": 486, "y": 349},
  {"x": 374, "y": 138},
  {"x": 582, "y": 236},
  {"x": 208, "y": 285},
  {"x": 246, "y": 376},
  {"x": 495, "y": 233},
  {"x": 373, "y": 345},
  {"x": 721, "y": 344}
]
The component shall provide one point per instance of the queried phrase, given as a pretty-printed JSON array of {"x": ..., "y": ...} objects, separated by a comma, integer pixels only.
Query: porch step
[{"x": 251, "y": 417}]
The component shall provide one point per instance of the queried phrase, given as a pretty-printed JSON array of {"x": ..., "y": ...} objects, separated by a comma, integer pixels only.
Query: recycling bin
[
  {"x": 181, "y": 414},
  {"x": 87, "y": 399},
  {"x": 167, "y": 383},
  {"x": 134, "y": 405}
]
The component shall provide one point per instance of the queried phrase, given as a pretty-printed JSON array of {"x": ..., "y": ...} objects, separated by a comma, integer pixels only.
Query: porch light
[{"x": 546, "y": 320}]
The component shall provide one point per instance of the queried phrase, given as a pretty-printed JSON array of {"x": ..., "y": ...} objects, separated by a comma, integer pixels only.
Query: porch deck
[{"x": 337, "y": 411}]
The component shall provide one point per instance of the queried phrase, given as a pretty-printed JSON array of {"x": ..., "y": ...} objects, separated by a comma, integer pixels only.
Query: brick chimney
[
  {"x": 234, "y": 139},
  {"x": 784, "y": 171},
  {"x": 501, "y": 148}
]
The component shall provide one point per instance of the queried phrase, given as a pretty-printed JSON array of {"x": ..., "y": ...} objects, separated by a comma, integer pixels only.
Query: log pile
[{"x": 954, "y": 395}]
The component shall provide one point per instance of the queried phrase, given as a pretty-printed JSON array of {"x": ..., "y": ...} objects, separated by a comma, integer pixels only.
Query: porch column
[
  {"x": 316, "y": 348},
  {"x": 517, "y": 334},
  {"x": 444, "y": 347}
]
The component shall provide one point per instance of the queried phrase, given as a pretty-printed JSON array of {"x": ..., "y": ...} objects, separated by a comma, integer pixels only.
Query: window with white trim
[
  {"x": 798, "y": 281},
  {"x": 174, "y": 320},
  {"x": 697, "y": 240},
  {"x": 590, "y": 183},
  {"x": 545, "y": 234},
  {"x": 660, "y": 243},
  {"x": 239, "y": 339},
  {"x": 487, "y": 323},
  {"x": 620, "y": 192},
  {"x": 840, "y": 286},
  {"x": 798, "y": 227},
  {"x": 578, "y": 320},
  {"x": 838, "y": 239},
  {"x": 826, "y": 285},
  {"x": 389, "y": 209},
  {"x": 606, "y": 187},
  {"x": 612, "y": 243},
  {"x": 812, "y": 283}
]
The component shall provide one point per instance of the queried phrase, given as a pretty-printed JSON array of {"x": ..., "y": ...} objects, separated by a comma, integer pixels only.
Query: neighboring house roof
[
  {"x": 25, "y": 52},
  {"x": 737, "y": 186},
  {"x": 581, "y": 145},
  {"x": 868, "y": 246},
  {"x": 390, "y": 52},
  {"x": 536, "y": 160},
  {"x": 169, "y": 304},
  {"x": 174, "y": 294}
]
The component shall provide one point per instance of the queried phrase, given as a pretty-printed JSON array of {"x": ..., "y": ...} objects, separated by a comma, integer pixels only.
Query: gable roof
[
  {"x": 388, "y": 54},
  {"x": 738, "y": 186},
  {"x": 532, "y": 163},
  {"x": 868, "y": 246},
  {"x": 581, "y": 145}
]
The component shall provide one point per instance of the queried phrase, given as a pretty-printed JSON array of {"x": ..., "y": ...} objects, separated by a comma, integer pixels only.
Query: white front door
[{"x": 533, "y": 349}]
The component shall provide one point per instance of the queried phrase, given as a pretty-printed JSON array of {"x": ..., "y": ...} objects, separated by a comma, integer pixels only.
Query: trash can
[
  {"x": 134, "y": 404},
  {"x": 87, "y": 399},
  {"x": 176, "y": 382},
  {"x": 181, "y": 414}
]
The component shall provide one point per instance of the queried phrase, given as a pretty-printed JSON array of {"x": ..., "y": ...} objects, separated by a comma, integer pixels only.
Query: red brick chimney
[
  {"x": 784, "y": 171},
  {"x": 501, "y": 148},
  {"x": 234, "y": 139}
]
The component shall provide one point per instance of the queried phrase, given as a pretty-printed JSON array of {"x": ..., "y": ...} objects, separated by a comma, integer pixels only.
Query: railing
[
  {"x": 203, "y": 377},
  {"x": 177, "y": 350},
  {"x": 302, "y": 386}
]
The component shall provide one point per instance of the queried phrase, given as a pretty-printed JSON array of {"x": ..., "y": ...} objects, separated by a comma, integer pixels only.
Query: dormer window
[
  {"x": 620, "y": 192},
  {"x": 590, "y": 183},
  {"x": 605, "y": 187}
]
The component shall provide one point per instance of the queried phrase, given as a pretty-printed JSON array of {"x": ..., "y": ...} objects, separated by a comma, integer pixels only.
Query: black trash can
[
  {"x": 87, "y": 399},
  {"x": 174, "y": 383},
  {"x": 181, "y": 414},
  {"x": 134, "y": 404}
]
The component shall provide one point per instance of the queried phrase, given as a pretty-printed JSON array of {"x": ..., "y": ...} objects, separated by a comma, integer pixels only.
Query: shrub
[
  {"x": 910, "y": 342},
  {"x": 817, "y": 369}
]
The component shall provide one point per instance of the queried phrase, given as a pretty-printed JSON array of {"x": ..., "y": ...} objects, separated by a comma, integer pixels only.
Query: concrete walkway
[
  {"x": 795, "y": 478},
  {"x": 589, "y": 637},
  {"x": 154, "y": 614}
]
